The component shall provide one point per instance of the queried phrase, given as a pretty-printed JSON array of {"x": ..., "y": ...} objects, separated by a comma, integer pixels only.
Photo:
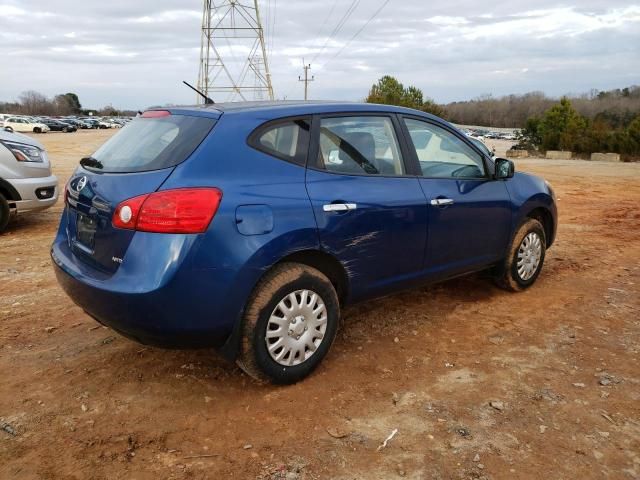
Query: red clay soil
[{"x": 478, "y": 382}]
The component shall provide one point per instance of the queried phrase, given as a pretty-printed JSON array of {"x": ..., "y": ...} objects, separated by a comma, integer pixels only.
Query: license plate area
[{"x": 86, "y": 230}]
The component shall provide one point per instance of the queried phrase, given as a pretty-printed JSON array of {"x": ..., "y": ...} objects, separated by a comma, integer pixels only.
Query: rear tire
[
  {"x": 290, "y": 322},
  {"x": 525, "y": 257},
  {"x": 8, "y": 129},
  {"x": 4, "y": 213}
]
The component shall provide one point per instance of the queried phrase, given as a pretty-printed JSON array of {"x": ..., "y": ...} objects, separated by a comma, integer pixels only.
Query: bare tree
[
  {"x": 616, "y": 107},
  {"x": 34, "y": 103}
]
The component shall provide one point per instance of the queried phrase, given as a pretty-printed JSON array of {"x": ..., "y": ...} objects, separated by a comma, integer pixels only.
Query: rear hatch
[{"x": 135, "y": 161}]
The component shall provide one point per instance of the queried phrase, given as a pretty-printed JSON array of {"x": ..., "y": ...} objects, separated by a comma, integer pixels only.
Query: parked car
[
  {"x": 248, "y": 227},
  {"x": 26, "y": 182},
  {"x": 103, "y": 124},
  {"x": 91, "y": 122},
  {"x": 111, "y": 123},
  {"x": 75, "y": 122},
  {"x": 482, "y": 146},
  {"x": 23, "y": 124},
  {"x": 59, "y": 126}
]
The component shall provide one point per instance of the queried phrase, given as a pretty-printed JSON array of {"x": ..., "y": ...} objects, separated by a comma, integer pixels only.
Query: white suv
[
  {"x": 26, "y": 182},
  {"x": 23, "y": 124}
]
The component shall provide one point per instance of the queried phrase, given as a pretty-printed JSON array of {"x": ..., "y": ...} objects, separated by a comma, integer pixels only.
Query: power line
[
  {"x": 352, "y": 7},
  {"x": 267, "y": 18},
  {"x": 271, "y": 25},
  {"x": 375, "y": 14},
  {"x": 326, "y": 19}
]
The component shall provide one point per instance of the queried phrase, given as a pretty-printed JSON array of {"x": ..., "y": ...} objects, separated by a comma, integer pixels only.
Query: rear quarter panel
[{"x": 254, "y": 185}]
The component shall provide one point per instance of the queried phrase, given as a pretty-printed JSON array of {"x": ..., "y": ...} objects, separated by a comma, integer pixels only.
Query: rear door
[
  {"x": 19, "y": 125},
  {"x": 469, "y": 212},
  {"x": 135, "y": 161},
  {"x": 371, "y": 213}
]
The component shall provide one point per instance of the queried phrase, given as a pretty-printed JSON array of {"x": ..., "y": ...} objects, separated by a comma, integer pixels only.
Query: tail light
[{"x": 184, "y": 210}]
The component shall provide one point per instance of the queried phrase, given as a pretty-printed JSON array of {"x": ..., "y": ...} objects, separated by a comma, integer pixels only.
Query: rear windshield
[{"x": 150, "y": 144}]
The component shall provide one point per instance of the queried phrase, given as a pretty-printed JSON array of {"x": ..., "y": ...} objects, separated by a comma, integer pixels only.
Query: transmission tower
[{"x": 233, "y": 56}]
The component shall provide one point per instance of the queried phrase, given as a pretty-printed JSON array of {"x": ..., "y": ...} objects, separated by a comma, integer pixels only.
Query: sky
[{"x": 135, "y": 53}]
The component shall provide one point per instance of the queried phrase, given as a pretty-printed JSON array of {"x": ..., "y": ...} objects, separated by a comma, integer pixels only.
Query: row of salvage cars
[{"x": 44, "y": 124}]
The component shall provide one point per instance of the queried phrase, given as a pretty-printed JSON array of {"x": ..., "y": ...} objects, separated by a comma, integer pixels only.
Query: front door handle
[
  {"x": 339, "y": 207},
  {"x": 441, "y": 202}
]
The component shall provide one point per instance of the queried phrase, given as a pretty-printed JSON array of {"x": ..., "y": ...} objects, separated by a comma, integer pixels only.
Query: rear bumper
[
  {"x": 178, "y": 309},
  {"x": 35, "y": 193}
]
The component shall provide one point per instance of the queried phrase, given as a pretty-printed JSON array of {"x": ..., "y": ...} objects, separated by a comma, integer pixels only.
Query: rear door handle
[
  {"x": 440, "y": 202},
  {"x": 339, "y": 207}
]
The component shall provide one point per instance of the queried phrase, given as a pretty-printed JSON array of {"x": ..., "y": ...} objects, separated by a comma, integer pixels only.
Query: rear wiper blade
[{"x": 91, "y": 163}]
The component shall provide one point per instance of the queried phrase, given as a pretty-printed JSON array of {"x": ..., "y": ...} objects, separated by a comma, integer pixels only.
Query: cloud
[
  {"x": 447, "y": 21},
  {"x": 134, "y": 54}
]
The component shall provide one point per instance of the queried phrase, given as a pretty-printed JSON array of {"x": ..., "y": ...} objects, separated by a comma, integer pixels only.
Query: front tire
[
  {"x": 4, "y": 213},
  {"x": 525, "y": 257},
  {"x": 289, "y": 324}
]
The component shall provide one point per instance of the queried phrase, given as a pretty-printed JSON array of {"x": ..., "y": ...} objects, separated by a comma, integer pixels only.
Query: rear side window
[
  {"x": 286, "y": 139},
  {"x": 360, "y": 145},
  {"x": 150, "y": 144}
]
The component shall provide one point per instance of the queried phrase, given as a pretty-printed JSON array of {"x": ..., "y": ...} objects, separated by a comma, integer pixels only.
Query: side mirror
[{"x": 504, "y": 168}]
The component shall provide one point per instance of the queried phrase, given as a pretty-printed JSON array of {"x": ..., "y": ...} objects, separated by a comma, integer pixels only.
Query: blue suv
[{"x": 246, "y": 227}]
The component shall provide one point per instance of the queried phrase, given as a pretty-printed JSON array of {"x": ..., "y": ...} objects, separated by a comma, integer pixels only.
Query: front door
[
  {"x": 370, "y": 214},
  {"x": 469, "y": 211}
]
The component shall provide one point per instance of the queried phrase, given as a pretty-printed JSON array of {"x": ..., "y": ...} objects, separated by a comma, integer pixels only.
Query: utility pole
[
  {"x": 235, "y": 27},
  {"x": 306, "y": 79}
]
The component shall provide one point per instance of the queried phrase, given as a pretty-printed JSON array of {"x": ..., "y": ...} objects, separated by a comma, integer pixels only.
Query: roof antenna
[{"x": 207, "y": 100}]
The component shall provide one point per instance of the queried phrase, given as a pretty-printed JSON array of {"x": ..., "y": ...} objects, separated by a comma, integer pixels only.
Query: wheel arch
[
  {"x": 325, "y": 263},
  {"x": 322, "y": 261},
  {"x": 8, "y": 191},
  {"x": 544, "y": 216}
]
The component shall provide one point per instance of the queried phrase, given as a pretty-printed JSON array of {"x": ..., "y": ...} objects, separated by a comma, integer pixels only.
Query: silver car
[{"x": 26, "y": 182}]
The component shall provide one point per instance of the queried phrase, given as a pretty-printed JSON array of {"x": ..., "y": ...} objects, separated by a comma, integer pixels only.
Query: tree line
[
  {"x": 35, "y": 103},
  {"x": 31, "y": 102},
  {"x": 617, "y": 107},
  {"x": 595, "y": 122}
]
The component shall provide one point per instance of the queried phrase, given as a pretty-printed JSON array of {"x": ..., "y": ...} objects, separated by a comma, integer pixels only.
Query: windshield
[
  {"x": 150, "y": 144},
  {"x": 481, "y": 146}
]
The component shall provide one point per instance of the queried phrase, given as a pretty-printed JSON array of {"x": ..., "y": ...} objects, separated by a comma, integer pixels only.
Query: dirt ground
[{"x": 478, "y": 382}]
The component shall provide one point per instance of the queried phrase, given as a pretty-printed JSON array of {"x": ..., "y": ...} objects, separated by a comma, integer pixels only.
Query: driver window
[
  {"x": 360, "y": 145},
  {"x": 442, "y": 154}
]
